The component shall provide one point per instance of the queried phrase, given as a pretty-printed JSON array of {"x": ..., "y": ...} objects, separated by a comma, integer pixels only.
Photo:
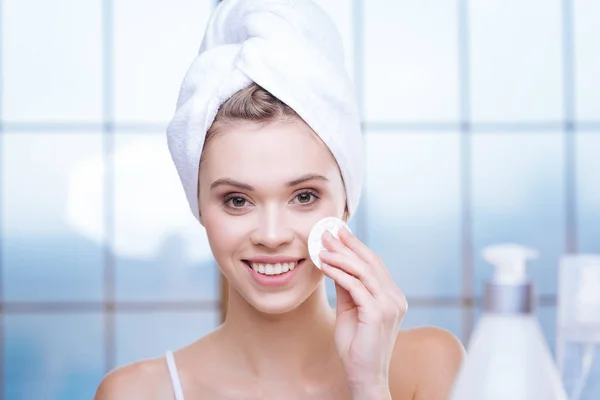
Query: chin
[
  {"x": 276, "y": 304},
  {"x": 280, "y": 301},
  {"x": 275, "y": 310}
]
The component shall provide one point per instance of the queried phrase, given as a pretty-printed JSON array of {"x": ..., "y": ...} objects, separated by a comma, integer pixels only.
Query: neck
[{"x": 277, "y": 346}]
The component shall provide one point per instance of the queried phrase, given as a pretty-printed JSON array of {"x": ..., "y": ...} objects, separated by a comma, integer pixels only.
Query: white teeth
[{"x": 273, "y": 269}]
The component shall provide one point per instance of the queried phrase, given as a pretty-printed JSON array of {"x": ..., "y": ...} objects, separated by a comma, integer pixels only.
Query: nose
[{"x": 273, "y": 229}]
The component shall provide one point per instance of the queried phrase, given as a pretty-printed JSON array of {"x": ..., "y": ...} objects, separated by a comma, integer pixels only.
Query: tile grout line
[
  {"x": 207, "y": 305},
  {"x": 358, "y": 67},
  {"x": 108, "y": 185},
  {"x": 569, "y": 130},
  {"x": 368, "y": 127},
  {"x": 468, "y": 270},
  {"x": 2, "y": 314}
]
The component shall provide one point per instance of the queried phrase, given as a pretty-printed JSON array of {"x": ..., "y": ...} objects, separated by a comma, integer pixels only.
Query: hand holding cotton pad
[{"x": 315, "y": 244}]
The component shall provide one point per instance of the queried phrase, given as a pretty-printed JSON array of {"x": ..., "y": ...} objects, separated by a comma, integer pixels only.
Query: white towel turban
[{"x": 293, "y": 50}]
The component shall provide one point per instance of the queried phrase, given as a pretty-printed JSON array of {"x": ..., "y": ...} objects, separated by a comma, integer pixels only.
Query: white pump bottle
[{"x": 508, "y": 357}]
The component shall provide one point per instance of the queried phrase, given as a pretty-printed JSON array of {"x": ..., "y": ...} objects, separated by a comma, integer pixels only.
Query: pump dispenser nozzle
[
  {"x": 509, "y": 291},
  {"x": 509, "y": 260}
]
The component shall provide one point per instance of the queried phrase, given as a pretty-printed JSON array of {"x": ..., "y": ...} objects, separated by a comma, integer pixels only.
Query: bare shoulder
[
  {"x": 432, "y": 344},
  {"x": 431, "y": 357},
  {"x": 147, "y": 379}
]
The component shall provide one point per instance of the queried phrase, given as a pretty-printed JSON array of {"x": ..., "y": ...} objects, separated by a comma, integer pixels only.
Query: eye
[
  {"x": 236, "y": 202},
  {"x": 306, "y": 198}
]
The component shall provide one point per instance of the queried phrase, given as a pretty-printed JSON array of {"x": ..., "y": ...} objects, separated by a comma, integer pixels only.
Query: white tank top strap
[{"x": 175, "y": 382}]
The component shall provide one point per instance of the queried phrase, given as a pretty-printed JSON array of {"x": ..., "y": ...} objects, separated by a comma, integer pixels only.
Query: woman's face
[{"x": 262, "y": 188}]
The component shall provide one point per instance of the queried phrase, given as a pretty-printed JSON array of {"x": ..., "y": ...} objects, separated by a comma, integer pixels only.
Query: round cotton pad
[{"x": 315, "y": 244}]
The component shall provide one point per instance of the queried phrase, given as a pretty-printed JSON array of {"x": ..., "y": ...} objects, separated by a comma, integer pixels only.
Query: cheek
[
  {"x": 223, "y": 235},
  {"x": 303, "y": 223}
]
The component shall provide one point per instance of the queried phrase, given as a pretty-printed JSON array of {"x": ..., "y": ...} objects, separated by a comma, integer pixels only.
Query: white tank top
[{"x": 175, "y": 382}]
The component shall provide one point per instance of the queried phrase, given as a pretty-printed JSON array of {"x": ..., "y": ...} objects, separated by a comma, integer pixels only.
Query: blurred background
[{"x": 481, "y": 121}]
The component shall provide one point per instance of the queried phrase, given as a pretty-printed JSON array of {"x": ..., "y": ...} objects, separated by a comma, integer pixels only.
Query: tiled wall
[{"x": 481, "y": 122}]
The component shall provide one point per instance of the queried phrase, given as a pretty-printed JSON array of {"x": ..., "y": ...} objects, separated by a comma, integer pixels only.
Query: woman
[{"x": 268, "y": 171}]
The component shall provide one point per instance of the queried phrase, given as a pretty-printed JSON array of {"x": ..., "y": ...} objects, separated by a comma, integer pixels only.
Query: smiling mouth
[{"x": 273, "y": 269}]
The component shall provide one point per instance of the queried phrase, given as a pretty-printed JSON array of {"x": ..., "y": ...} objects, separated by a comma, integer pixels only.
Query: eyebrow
[{"x": 245, "y": 186}]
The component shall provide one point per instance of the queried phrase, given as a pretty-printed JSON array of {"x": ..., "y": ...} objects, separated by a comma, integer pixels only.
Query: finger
[
  {"x": 360, "y": 295},
  {"x": 350, "y": 262},
  {"x": 334, "y": 245},
  {"x": 364, "y": 252},
  {"x": 343, "y": 300},
  {"x": 354, "y": 266},
  {"x": 376, "y": 267}
]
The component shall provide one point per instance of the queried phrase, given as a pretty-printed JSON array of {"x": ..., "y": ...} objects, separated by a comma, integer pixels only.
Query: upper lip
[{"x": 272, "y": 259}]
